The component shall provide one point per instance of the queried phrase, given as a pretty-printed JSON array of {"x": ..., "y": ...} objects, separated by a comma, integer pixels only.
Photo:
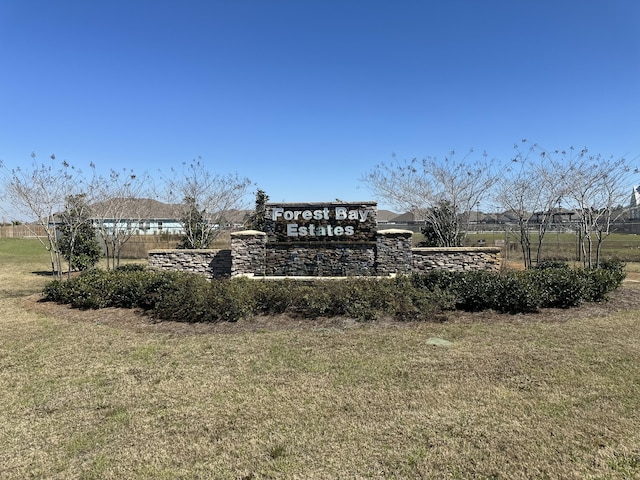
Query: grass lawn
[
  {"x": 563, "y": 246},
  {"x": 109, "y": 395}
]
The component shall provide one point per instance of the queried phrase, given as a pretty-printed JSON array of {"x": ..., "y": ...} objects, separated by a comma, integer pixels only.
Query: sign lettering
[{"x": 308, "y": 222}]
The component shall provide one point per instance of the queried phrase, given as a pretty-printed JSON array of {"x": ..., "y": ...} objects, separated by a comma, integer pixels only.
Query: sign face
[{"x": 321, "y": 222}]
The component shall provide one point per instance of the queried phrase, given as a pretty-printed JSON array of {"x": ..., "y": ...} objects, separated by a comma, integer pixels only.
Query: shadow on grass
[
  {"x": 47, "y": 273},
  {"x": 44, "y": 273}
]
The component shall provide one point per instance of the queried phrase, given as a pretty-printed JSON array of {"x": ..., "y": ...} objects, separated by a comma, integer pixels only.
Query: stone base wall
[
  {"x": 252, "y": 255},
  {"x": 326, "y": 260},
  {"x": 456, "y": 259},
  {"x": 211, "y": 263}
]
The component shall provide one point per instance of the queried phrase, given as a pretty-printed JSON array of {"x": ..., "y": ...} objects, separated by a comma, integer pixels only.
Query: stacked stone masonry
[
  {"x": 211, "y": 263},
  {"x": 248, "y": 253},
  {"x": 251, "y": 254},
  {"x": 393, "y": 253},
  {"x": 458, "y": 259},
  {"x": 326, "y": 260}
]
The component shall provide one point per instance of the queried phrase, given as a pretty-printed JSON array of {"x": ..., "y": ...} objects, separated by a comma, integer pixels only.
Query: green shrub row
[
  {"x": 550, "y": 286},
  {"x": 189, "y": 297},
  {"x": 192, "y": 298}
]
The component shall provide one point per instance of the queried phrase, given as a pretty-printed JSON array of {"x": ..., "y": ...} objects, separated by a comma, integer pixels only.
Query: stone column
[
  {"x": 248, "y": 253},
  {"x": 393, "y": 251}
]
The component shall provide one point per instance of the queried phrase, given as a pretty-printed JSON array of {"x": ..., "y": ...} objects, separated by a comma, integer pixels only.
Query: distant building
[
  {"x": 386, "y": 217},
  {"x": 145, "y": 216},
  {"x": 634, "y": 206},
  {"x": 139, "y": 216}
]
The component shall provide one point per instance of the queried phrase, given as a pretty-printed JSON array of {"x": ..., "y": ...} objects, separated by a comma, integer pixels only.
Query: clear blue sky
[{"x": 306, "y": 96}]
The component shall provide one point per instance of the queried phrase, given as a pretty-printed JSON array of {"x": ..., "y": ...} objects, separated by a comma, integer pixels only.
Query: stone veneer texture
[{"x": 251, "y": 254}]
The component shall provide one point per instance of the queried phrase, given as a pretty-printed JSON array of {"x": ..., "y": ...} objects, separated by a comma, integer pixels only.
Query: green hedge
[{"x": 189, "y": 297}]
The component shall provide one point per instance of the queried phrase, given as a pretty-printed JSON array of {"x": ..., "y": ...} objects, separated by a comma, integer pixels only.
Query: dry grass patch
[{"x": 108, "y": 394}]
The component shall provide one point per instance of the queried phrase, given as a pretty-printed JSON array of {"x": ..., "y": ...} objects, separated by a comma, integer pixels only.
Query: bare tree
[
  {"x": 120, "y": 208},
  {"x": 211, "y": 195},
  {"x": 596, "y": 186},
  {"x": 38, "y": 192},
  {"x": 422, "y": 186},
  {"x": 517, "y": 192},
  {"x": 611, "y": 194},
  {"x": 528, "y": 190}
]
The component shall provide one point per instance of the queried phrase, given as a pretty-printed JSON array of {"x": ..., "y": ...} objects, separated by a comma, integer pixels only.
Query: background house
[
  {"x": 141, "y": 216},
  {"x": 146, "y": 216},
  {"x": 634, "y": 206}
]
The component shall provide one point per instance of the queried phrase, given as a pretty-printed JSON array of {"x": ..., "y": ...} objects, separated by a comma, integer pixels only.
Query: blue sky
[{"x": 306, "y": 96}]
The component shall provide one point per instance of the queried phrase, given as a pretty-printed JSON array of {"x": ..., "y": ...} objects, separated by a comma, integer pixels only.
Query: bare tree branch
[
  {"x": 211, "y": 194},
  {"x": 119, "y": 209},
  {"x": 422, "y": 186},
  {"x": 38, "y": 191}
]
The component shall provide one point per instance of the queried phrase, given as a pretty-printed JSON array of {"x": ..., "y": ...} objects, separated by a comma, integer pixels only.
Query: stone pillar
[
  {"x": 248, "y": 253},
  {"x": 393, "y": 251}
]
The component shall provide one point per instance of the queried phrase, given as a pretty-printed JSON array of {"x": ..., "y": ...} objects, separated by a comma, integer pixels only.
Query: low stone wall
[
  {"x": 456, "y": 259},
  {"x": 211, "y": 263},
  {"x": 252, "y": 255}
]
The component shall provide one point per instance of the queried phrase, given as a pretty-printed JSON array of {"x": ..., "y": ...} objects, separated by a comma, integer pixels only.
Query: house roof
[
  {"x": 134, "y": 208},
  {"x": 150, "y": 209},
  {"x": 385, "y": 215},
  {"x": 409, "y": 217},
  {"x": 235, "y": 216},
  {"x": 403, "y": 218}
]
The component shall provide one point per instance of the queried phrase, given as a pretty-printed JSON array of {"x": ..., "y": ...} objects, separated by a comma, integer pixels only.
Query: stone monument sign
[{"x": 321, "y": 222}]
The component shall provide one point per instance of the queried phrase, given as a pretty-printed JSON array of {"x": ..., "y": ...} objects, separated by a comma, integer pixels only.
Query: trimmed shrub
[
  {"x": 515, "y": 292},
  {"x": 229, "y": 300},
  {"x": 84, "y": 291},
  {"x": 601, "y": 281},
  {"x": 366, "y": 300},
  {"x": 616, "y": 270},
  {"x": 188, "y": 297},
  {"x": 126, "y": 288},
  {"x": 313, "y": 301},
  {"x": 55, "y": 291},
  {"x": 405, "y": 299},
  {"x": 558, "y": 287},
  {"x": 273, "y": 297},
  {"x": 182, "y": 299},
  {"x": 546, "y": 264}
]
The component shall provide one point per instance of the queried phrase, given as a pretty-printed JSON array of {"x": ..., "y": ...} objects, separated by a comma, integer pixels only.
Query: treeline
[
  {"x": 533, "y": 185},
  {"x": 69, "y": 207}
]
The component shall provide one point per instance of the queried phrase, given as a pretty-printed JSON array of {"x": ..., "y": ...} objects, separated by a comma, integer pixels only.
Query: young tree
[
  {"x": 527, "y": 190},
  {"x": 38, "y": 191},
  {"x": 212, "y": 195},
  {"x": 257, "y": 220},
  {"x": 443, "y": 232},
  {"x": 119, "y": 208},
  {"x": 425, "y": 186},
  {"x": 77, "y": 239},
  {"x": 595, "y": 186},
  {"x": 196, "y": 227},
  {"x": 614, "y": 183}
]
